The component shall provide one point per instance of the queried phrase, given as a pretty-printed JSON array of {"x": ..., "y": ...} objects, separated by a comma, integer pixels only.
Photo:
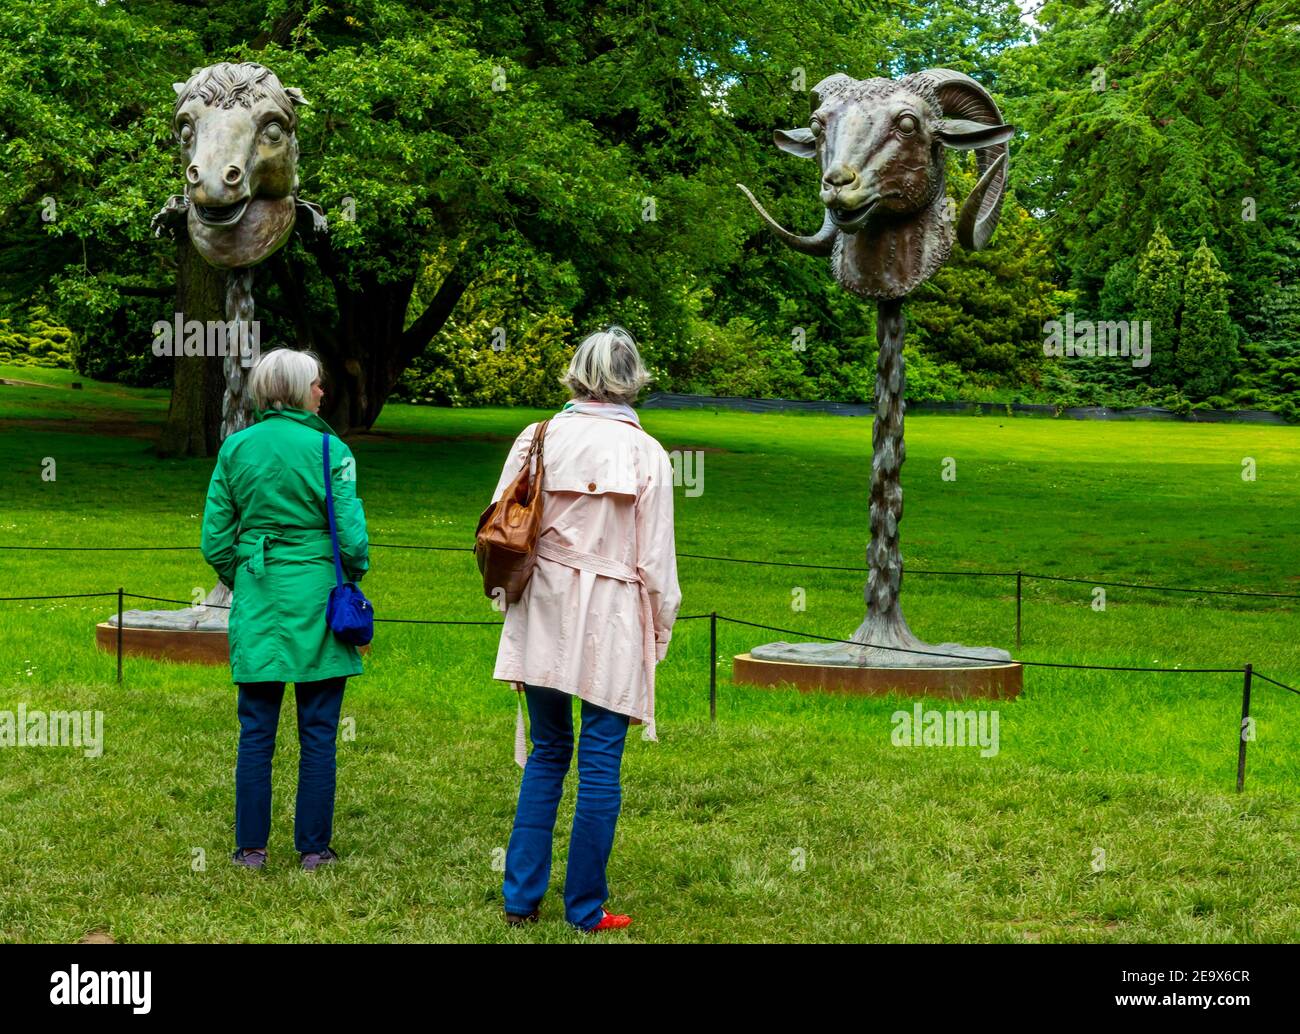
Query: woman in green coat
[{"x": 266, "y": 534}]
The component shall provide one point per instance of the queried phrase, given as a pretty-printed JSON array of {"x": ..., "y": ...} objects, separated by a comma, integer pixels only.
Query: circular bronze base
[{"x": 996, "y": 681}]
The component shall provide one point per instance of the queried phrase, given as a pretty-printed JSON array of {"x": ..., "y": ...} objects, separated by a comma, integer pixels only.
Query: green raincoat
[{"x": 266, "y": 534}]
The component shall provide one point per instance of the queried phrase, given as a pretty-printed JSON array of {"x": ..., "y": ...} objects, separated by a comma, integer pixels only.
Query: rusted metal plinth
[
  {"x": 994, "y": 681},
  {"x": 166, "y": 644},
  {"x": 184, "y": 645}
]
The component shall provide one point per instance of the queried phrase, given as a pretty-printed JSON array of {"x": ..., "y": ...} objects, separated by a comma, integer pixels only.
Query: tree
[
  {"x": 193, "y": 426},
  {"x": 1207, "y": 342},
  {"x": 985, "y": 311},
  {"x": 1159, "y": 298},
  {"x": 1176, "y": 112},
  {"x": 586, "y": 154}
]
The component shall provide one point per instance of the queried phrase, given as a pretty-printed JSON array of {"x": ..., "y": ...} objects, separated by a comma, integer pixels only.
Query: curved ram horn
[
  {"x": 962, "y": 97},
  {"x": 819, "y": 243}
]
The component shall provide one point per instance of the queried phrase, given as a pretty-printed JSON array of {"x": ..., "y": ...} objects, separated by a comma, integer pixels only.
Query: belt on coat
[
  {"x": 257, "y": 561},
  {"x": 613, "y": 569},
  {"x": 253, "y": 550}
]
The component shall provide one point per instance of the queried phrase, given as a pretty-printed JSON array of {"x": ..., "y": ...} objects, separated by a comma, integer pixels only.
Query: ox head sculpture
[{"x": 879, "y": 144}]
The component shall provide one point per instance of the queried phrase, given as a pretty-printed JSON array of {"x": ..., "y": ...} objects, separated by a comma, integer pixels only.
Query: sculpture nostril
[
  {"x": 233, "y": 174},
  {"x": 839, "y": 176},
  {"x": 192, "y": 174}
]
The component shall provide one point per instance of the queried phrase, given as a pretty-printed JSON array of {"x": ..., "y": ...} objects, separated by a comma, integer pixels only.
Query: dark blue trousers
[
  {"x": 319, "y": 704},
  {"x": 600, "y": 754}
]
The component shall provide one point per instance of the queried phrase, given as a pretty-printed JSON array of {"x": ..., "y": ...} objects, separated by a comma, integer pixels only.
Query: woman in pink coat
[{"x": 594, "y": 619}]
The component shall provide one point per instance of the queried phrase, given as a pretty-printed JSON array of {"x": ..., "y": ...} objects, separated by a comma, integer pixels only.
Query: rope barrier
[
  {"x": 95, "y": 549},
  {"x": 1165, "y": 588},
  {"x": 421, "y": 621},
  {"x": 400, "y": 545},
  {"x": 765, "y": 563},
  {"x": 1276, "y": 683},
  {"x": 397, "y": 621},
  {"x": 718, "y": 617},
  {"x": 714, "y": 617},
  {"x": 836, "y": 567},
  {"x": 696, "y": 617},
  {"x": 986, "y": 660},
  {"x": 183, "y": 603},
  {"x": 60, "y": 596}
]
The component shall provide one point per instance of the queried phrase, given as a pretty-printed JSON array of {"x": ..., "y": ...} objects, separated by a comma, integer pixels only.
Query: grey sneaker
[
  {"x": 249, "y": 859},
  {"x": 313, "y": 860}
]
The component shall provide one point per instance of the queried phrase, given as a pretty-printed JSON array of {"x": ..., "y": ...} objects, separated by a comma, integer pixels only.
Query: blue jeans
[
  {"x": 600, "y": 753},
  {"x": 319, "y": 704}
]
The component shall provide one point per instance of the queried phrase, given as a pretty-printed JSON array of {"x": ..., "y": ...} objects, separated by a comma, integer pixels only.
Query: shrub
[{"x": 35, "y": 341}]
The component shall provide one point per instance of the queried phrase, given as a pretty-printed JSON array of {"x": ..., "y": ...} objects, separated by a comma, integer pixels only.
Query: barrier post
[
  {"x": 1241, "y": 730},
  {"x": 713, "y": 666},
  {"x": 1019, "y": 577},
  {"x": 120, "y": 591}
]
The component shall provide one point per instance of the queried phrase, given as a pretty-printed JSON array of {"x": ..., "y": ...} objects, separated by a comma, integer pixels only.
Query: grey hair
[
  {"x": 607, "y": 367},
  {"x": 283, "y": 377}
]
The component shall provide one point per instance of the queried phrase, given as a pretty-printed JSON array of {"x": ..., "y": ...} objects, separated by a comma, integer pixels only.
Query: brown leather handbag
[{"x": 506, "y": 539}]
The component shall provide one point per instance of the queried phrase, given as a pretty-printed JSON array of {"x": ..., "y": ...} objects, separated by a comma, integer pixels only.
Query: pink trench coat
[{"x": 598, "y": 611}]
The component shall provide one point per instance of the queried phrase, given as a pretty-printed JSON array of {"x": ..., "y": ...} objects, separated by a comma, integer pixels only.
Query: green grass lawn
[{"x": 793, "y": 817}]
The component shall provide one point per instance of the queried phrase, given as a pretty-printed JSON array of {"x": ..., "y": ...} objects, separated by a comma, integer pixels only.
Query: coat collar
[
  {"x": 609, "y": 410},
  {"x": 300, "y": 415}
]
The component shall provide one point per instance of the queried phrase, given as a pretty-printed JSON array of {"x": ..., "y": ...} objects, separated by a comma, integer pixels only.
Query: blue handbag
[{"x": 348, "y": 613}]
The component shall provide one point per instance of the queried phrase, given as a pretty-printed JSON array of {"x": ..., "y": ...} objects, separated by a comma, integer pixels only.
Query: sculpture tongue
[{"x": 264, "y": 227}]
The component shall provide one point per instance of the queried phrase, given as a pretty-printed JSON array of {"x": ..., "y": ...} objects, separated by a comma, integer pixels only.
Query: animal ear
[
  {"x": 965, "y": 135},
  {"x": 296, "y": 96},
  {"x": 179, "y": 88},
  {"x": 799, "y": 142}
]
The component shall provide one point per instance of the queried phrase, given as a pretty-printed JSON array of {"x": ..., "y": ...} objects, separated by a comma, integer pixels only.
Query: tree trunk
[
  {"x": 193, "y": 425},
  {"x": 368, "y": 346}
]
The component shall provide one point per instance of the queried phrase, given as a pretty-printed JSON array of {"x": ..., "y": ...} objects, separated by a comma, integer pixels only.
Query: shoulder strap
[
  {"x": 329, "y": 508},
  {"x": 534, "y": 461}
]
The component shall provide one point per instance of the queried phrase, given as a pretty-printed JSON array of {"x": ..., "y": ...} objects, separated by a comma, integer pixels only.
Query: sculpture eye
[
  {"x": 816, "y": 126},
  {"x": 907, "y": 125},
  {"x": 186, "y": 133},
  {"x": 274, "y": 133}
]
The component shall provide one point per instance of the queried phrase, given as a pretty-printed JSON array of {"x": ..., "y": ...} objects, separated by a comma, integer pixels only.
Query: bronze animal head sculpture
[
  {"x": 237, "y": 127},
  {"x": 879, "y": 144}
]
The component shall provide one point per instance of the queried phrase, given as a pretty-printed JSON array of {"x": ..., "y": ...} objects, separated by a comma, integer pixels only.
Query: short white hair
[
  {"x": 283, "y": 377},
  {"x": 607, "y": 367}
]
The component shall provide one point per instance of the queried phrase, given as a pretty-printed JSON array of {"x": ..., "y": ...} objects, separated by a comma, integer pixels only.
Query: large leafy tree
[
  {"x": 1171, "y": 112},
  {"x": 563, "y": 163},
  {"x": 586, "y": 152}
]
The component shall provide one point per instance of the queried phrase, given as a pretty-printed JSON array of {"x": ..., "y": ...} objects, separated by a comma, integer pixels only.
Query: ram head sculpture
[
  {"x": 887, "y": 226},
  {"x": 879, "y": 144}
]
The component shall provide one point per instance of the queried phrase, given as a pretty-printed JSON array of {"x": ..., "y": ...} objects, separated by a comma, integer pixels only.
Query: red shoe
[{"x": 609, "y": 921}]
